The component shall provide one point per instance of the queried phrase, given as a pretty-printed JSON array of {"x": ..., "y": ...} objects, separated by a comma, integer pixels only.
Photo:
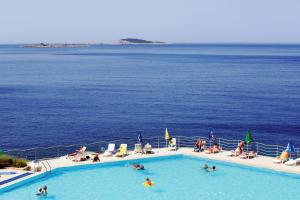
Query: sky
[{"x": 173, "y": 21}]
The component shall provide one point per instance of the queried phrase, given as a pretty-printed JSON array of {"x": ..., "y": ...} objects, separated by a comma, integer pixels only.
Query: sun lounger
[
  {"x": 122, "y": 151},
  {"x": 148, "y": 149},
  {"x": 284, "y": 157},
  {"x": 231, "y": 153},
  {"x": 279, "y": 161},
  {"x": 138, "y": 148},
  {"x": 248, "y": 155},
  {"x": 172, "y": 145},
  {"x": 293, "y": 162},
  {"x": 110, "y": 150}
]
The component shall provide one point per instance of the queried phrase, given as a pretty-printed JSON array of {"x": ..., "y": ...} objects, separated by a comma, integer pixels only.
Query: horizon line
[{"x": 164, "y": 43}]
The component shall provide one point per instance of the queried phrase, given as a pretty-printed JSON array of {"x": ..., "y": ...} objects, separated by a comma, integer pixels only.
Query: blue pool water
[
  {"x": 175, "y": 177},
  {"x": 77, "y": 95}
]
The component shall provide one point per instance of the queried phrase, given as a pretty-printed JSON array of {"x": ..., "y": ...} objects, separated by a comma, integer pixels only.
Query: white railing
[{"x": 156, "y": 142}]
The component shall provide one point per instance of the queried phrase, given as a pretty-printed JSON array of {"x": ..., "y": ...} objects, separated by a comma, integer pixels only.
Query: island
[{"x": 138, "y": 41}]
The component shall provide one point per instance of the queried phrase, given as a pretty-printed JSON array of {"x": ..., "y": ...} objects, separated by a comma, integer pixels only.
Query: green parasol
[{"x": 248, "y": 138}]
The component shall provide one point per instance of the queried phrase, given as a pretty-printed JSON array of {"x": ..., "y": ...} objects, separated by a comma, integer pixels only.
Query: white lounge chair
[
  {"x": 293, "y": 162},
  {"x": 231, "y": 153},
  {"x": 172, "y": 145},
  {"x": 234, "y": 153},
  {"x": 138, "y": 148},
  {"x": 110, "y": 150},
  {"x": 148, "y": 149},
  {"x": 248, "y": 155}
]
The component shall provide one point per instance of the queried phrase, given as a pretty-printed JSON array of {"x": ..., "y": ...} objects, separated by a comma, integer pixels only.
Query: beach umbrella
[
  {"x": 167, "y": 136},
  {"x": 290, "y": 147},
  {"x": 248, "y": 138},
  {"x": 211, "y": 137},
  {"x": 140, "y": 138}
]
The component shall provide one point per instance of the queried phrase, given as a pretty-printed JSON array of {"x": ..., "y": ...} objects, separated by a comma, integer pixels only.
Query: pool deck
[{"x": 260, "y": 162}]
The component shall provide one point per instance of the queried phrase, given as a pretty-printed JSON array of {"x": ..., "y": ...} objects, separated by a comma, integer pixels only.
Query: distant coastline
[
  {"x": 125, "y": 41},
  {"x": 49, "y": 45}
]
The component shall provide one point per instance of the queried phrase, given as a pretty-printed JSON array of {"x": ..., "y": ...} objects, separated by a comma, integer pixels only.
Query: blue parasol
[
  {"x": 290, "y": 147},
  {"x": 211, "y": 136},
  {"x": 140, "y": 138}
]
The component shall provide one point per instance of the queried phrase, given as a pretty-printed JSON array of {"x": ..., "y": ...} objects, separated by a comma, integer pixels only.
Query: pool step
[{"x": 15, "y": 178}]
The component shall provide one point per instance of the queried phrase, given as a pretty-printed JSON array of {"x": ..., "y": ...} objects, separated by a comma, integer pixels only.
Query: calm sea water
[{"x": 66, "y": 96}]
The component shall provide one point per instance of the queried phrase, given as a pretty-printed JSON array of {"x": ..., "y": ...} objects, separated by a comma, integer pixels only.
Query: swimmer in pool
[
  {"x": 208, "y": 168},
  {"x": 138, "y": 167},
  {"x": 42, "y": 191},
  {"x": 205, "y": 166}
]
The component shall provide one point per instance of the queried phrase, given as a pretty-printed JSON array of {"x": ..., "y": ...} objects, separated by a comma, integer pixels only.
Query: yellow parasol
[{"x": 167, "y": 136}]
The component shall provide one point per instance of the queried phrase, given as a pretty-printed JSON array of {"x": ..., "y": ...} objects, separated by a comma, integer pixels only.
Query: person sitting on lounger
[
  {"x": 217, "y": 148},
  {"x": 284, "y": 157},
  {"x": 138, "y": 166},
  {"x": 76, "y": 152},
  {"x": 239, "y": 150},
  {"x": 96, "y": 158},
  {"x": 170, "y": 141},
  {"x": 199, "y": 145},
  {"x": 214, "y": 149}
]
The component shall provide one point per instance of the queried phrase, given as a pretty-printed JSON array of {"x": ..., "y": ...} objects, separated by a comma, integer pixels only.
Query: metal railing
[{"x": 156, "y": 142}]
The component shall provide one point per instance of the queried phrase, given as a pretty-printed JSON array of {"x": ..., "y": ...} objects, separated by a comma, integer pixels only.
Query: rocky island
[{"x": 138, "y": 41}]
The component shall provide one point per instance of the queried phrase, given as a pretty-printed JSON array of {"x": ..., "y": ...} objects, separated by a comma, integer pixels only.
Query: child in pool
[{"x": 148, "y": 181}]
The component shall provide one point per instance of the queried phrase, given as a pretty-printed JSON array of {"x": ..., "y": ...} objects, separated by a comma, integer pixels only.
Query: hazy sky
[{"x": 26, "y": 21}]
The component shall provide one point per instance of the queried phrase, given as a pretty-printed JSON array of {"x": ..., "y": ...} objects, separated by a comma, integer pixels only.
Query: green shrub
[
  {"x": 5, "y": 161},
  {"x": 19, "y": 163},
  {"x": 9, "y": 161}
]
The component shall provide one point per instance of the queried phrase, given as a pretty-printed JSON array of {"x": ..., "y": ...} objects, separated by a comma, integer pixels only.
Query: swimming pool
[{"x": 175, "y": 177}]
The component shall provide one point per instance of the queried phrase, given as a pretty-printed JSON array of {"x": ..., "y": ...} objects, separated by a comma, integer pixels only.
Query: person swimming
[
  {"x": 208, "y": 168},
  {"x": 138, "y": 167},
  {"x": 42, "y": 191},
  {"x": 205, "y": 166}
]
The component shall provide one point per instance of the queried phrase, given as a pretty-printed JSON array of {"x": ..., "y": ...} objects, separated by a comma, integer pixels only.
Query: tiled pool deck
[{"x": 260, "y": 161}]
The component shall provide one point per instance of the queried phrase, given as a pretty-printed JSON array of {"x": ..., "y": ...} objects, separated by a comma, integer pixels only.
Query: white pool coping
[{"x": 260, "y": 162}]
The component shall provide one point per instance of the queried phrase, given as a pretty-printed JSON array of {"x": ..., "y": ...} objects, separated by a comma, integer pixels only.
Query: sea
[{"x": 62, "y": 96}]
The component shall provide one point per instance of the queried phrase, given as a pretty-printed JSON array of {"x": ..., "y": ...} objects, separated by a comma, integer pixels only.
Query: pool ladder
[{"x": 46, "y": 165}]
